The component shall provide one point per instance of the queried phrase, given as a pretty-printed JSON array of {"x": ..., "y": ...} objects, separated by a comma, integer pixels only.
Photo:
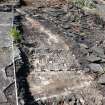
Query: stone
[
  {"x": 103, "y": 43},
  {"x": 9, "y": 71},
  {"x": 99, "y": 51},
  {"x": 4, "y": 83},
  {"x": 2, "y": 97},
  {"x": 84, "y": 51},
  {"x": 21, "y": 102},
  {"x": 96, "y": 67},
  {"x": 67, "y": 26},
  {"x": 101, "y": 79},
  {"x": 55, "y": 12},
  {"x": 16, "y": 53},
  {"x": 103, "y": 61},
  {"x": 5, "y": 8},
  {"x": 103, "y": 102},
  {"x": 93, "y": 58},
  {"x": 82, "y": 45},
  {"x": 10, "y": 94}
]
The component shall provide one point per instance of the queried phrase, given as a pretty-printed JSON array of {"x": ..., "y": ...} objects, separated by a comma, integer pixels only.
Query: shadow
[
  {"x": 25, "y": 2},
  {"x": 22, "y": 2},
  {"x": 24, "y": 70},
  {"x": 23, "y": 86}
]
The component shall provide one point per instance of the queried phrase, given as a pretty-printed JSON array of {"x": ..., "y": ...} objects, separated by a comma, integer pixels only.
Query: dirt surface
[
  {"x": 60, "y": 59},
  {"x": 59, "y": 40}
]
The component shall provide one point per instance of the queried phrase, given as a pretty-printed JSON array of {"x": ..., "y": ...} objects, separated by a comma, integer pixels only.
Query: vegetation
[
  {"x": 84, "y": 3},
  {"x": 15, "y": 34}
]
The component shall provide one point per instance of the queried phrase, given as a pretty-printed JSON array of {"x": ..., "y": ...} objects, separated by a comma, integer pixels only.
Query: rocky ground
[
  {"x": 59, "y": 41},
  {"x": 62, "y": 55}
]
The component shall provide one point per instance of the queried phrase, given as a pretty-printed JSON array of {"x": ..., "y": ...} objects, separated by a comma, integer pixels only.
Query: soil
[
  {"x": 60, "y": 59},
  {"x": 51, "y": 30}
]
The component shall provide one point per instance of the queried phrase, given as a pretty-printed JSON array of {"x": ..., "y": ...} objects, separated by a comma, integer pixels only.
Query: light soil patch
[
  {"x": 46, "y": 84},
  {"x": 50, "y": 85}
]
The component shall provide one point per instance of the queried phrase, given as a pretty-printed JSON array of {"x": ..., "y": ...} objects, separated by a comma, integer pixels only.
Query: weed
[{"x": 15, "y": 34}]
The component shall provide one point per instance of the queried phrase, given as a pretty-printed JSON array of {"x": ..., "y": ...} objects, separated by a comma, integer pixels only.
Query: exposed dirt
[{"x": 51, "y": 36}]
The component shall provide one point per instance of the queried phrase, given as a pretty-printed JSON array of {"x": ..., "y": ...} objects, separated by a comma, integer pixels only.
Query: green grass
[
  {"x": 84, "y": 3},
  {"x": 15, "y": 34}
]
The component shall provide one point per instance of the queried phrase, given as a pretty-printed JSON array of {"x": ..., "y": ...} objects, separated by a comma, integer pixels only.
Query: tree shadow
[{"x": 23, "y": 86}]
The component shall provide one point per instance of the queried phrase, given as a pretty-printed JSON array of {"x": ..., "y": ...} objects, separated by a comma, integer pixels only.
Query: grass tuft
[{"x": 15, "y": 34}]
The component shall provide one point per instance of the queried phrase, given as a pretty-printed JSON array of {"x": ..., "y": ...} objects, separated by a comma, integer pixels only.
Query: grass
[
  {"x": 15, "y": 34},
  {"x": 84, "y": 3}
]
